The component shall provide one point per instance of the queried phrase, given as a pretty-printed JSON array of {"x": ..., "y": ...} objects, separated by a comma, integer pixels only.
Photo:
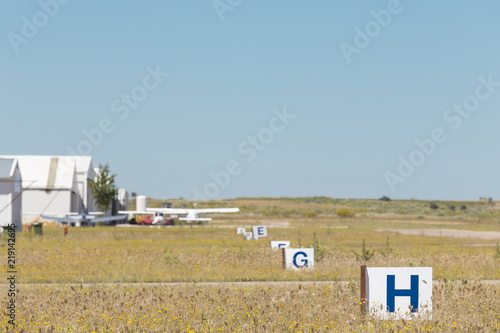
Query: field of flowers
[
  {"x": 207, "y": 278},
  {"x": 298, "y": 307},
  {"x": 143, "y": 254}
]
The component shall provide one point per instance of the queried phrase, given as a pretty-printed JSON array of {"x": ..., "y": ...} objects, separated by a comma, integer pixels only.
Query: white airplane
[
  {"x": 191, "y": 215},
  {"x": 84, "y": 218}
]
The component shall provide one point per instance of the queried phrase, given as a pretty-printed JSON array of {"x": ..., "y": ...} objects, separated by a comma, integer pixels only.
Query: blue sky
[{"x": 355, "y": 117}]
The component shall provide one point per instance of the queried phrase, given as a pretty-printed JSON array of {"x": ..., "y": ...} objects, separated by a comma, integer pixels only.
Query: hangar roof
[
  {"x": 6, "y": 168},
  {"x": 46, "y": 172}
]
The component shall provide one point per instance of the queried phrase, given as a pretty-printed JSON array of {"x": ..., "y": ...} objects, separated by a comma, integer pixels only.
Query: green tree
[{"x": 103, "y": 188}]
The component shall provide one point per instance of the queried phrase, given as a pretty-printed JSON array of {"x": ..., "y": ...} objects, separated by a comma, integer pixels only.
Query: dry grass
[
  {"x": 475, "y": 211},
  {"x": 459, "y": 307},
  {"x": 99, "y": 255},
  {"x": 91, "y": 270}
]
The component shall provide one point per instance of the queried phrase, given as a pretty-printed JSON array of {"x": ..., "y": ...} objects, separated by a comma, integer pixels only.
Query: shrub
[
  {"x": 309, "y": 213},
  {"x": 319, "y": 247},
  {"x": 388, "y": 249},
  {"x": 385, "y": 198},
  {"x": 169, "y": 256},
  {"x": 345, "y": 212},
  {"x": 365, "y": 253},
  {"x": 433, "y": 206}
]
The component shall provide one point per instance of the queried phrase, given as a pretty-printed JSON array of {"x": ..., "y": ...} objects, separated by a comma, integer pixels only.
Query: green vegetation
[
  {"x": 104, "y": 189},
  {"x": 345, "y": 212},
  {"x": 365, "y": 253},
  {"x": 320, "y": 248}
]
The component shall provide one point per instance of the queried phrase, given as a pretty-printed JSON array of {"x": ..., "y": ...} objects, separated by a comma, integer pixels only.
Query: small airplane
[
  {"x": 84, "y": 218},
  {"x": 191, "y": 215}
]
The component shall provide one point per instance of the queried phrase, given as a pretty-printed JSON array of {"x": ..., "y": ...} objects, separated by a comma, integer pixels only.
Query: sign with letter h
[{"x": 397, "y": 292}]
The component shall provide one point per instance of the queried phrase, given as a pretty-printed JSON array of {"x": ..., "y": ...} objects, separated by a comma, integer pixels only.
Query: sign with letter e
[
  {"x": 399, "y": 292},
  {"x": 279, "y": 244},
  {"x": 298, "y": 258},
  {"x": 259, "y": 231}
]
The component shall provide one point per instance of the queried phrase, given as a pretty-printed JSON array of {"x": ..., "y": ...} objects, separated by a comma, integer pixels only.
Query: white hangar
[
  {"x": 54, "y": 185},
  {"x": 10, "y": 193}
]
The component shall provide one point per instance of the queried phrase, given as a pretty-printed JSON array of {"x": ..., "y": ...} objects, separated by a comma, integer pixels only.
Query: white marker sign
[
  {"x": 259, "y": 231},
  {"x": 399, "y": 292},
  {"x": 249, "y": 236},
  {"x": 298, "y": 258},
  {"x": 240, "y": 231},
  {"x": 279, "y": 244}
]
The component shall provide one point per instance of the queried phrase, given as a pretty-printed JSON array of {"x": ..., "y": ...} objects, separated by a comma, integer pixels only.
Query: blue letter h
[{"x": 392, "y": 292}]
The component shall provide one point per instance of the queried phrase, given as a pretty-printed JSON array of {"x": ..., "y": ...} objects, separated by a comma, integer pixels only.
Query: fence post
[{"x": 363, "y": 289}]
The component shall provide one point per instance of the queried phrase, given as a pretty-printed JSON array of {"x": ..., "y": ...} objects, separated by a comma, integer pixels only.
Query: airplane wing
[
  {"x": 96, "y": 213},
  {"x": 89, "y": 213},
  {"x": 60, "y": 219},
  {"x": 180, "y": 211},
  {"x": 134, "y": 212},
  {"x": 170, "y": 211},
  {"x": 109, "y": 218},
  {"x": 218, "y": 210}
]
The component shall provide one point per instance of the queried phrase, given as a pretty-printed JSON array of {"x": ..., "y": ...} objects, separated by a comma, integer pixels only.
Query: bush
[
  {"x": 385, "y": 198},
  {"x": 433, "y": 206},
  {"x": 345, "y": 212},
  {"x": 309, "y": 213},
  {"x": 365, "y": 253},
  {"x": 319, "y": 247},
  {"x": 388, "y": 249}
]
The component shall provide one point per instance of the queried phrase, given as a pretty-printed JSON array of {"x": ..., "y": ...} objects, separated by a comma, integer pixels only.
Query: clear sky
[{"x": 349, "y": 99}]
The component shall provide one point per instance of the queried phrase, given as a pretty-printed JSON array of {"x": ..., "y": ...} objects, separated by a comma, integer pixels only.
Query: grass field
[{"x": 124, "y": 279}]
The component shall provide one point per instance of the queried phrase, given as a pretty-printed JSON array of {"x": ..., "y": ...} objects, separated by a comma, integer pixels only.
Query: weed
[
  {"x": 169, "y": 257},
  {"x": 388, "y": 249},
  {"x": 320, "y": 249},
  {"x": 365, "y": 253}
]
